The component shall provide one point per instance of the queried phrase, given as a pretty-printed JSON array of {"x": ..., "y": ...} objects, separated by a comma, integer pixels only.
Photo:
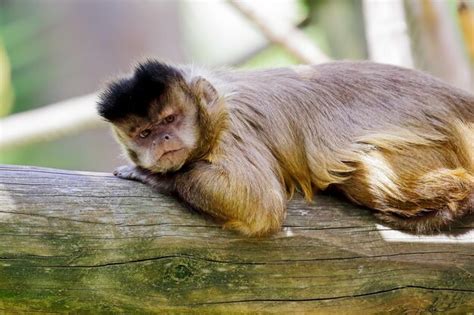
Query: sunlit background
[{"x": 53, "y": 50}]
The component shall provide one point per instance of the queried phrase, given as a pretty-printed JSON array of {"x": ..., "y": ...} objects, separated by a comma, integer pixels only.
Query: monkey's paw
[{"x": 129, "y": 172}]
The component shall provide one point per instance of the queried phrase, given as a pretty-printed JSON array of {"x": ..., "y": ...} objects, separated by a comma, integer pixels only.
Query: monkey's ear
[{"x": 205, "y": 90}]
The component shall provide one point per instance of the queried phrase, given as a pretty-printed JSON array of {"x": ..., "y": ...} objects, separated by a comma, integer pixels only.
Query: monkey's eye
[
  {"x": 145, "y": 133},
  {"x": 169, "y": 119}
]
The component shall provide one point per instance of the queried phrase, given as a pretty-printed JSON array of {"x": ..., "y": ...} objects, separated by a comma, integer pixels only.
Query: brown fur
[{"x": 392, "y": 139}]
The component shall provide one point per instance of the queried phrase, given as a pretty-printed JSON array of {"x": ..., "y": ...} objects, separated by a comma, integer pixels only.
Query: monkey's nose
[{"x": 166, "y": 137}]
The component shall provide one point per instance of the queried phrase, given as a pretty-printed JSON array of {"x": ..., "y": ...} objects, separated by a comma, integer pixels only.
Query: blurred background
[{"x": 55, "y": 50}]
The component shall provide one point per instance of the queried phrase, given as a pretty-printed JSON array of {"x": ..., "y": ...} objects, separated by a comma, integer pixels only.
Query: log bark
[{"x": 88, "y": 242}]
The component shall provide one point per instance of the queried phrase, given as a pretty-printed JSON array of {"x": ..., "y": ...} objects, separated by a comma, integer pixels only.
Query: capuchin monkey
[{"x": 236, "y": 144}]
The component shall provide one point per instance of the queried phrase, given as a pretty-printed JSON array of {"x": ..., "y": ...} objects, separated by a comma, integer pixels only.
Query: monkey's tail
[
  {"x": 440, "y": 197},
  {"x": 428, "y": 220}
]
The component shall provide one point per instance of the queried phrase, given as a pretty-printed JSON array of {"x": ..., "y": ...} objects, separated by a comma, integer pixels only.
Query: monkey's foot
[
  {"x": 255, "y": 230},
  {"x": 131, "y": 173}
]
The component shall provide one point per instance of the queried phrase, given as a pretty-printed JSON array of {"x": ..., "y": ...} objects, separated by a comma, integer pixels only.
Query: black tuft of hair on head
[{"x": 134, "y": 94}]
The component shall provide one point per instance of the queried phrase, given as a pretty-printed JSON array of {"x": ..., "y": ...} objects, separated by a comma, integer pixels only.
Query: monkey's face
[
  {"x": 163, "y": 140},
  {"x": 161, "y": 119}
]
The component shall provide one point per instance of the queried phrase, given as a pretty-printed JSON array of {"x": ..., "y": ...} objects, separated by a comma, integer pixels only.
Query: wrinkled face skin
[{"x": 162, "y": 141}]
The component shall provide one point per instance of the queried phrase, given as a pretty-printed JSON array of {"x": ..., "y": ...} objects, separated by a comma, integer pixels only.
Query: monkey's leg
[
  {"x": 421, "y": 190},
  {"x": 252, "y": 202},
  {"x": 162, "y": 183}
]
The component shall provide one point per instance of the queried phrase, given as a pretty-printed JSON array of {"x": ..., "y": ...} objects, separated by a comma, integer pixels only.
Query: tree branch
[
  {"x": 79, "y": 242},
  {"x": 49, "y": 122},
  {"x": 290, "y": 38}
]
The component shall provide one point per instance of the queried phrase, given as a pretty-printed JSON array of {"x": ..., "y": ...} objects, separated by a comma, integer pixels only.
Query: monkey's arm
[
  {"x": 253, "y": 205},
  {"x": 250, "y": 200}
]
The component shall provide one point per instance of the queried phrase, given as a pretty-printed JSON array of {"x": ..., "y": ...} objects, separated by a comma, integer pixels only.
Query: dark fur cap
[{"x": 133, "y": 94}]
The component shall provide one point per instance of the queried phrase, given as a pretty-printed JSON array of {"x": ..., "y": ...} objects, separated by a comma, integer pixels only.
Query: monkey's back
[
  {"x": 349, "y": 98},
  {"x": 323, "y": 114}
]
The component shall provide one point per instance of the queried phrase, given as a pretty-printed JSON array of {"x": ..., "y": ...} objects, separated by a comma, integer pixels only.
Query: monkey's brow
[{"x": 165, "y": 111}]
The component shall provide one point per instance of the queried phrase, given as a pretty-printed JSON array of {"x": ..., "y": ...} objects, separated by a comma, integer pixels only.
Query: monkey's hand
[
  {"x": 159, "y": 182},
  {"x": 131, "y": 172}
]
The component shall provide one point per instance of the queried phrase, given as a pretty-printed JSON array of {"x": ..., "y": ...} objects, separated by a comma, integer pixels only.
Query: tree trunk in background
[
  {"x": 466, "y": 21},
  {"x": 387, "y": 34},
  {"x": 342, "y": 25},
  {"x": 436, "y": 44}
]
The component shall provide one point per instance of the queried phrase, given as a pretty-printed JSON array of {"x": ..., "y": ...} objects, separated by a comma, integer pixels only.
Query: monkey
[{"x": 237, "y": 144}]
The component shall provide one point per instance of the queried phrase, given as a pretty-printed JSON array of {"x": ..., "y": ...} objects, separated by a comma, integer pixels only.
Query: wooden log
[{"x": 88, "y": 242}]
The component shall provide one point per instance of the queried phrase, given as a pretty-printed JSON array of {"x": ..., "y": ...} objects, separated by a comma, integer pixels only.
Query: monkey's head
[{"x": 162, "y": 120}]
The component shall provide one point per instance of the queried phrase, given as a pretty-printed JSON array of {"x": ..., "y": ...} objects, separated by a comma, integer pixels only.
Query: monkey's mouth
[{"x": 167, "y": 153}]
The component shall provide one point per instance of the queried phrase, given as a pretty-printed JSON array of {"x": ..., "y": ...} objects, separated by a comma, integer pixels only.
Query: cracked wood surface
[{"x": 89, "y": 242}]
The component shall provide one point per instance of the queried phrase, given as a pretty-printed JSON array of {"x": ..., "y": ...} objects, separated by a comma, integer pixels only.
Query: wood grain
[{"x": 88, "y": 242}]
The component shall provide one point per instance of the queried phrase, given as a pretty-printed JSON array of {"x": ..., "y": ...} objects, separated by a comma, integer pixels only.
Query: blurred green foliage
[
  {"x": 20, "y": 26},
  {"x": 6, "y": 89},
  {"x": 25, "y": 65}
]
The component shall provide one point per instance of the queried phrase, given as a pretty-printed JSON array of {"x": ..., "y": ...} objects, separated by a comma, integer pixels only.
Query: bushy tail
[{"x": 429, "y": 219}]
